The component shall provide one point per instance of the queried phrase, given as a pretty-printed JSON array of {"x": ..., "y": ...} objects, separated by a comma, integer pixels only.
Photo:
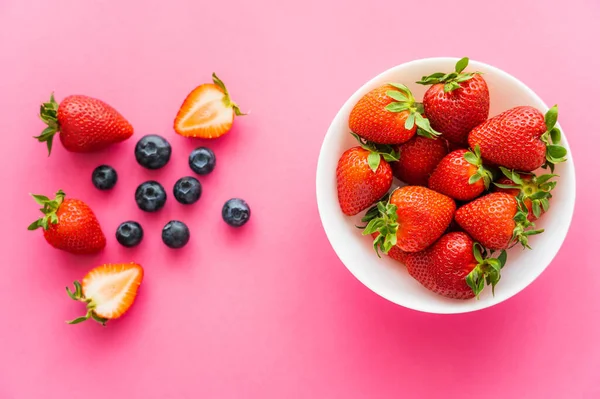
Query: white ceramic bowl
[{"x": 390, "y": 279}]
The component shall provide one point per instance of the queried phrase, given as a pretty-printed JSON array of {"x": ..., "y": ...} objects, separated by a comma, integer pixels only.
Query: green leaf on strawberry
[
  {"x": 49, "y": 209},
  {"x": 405, "y": 101},
  {"x": 487, "y": 270},
  {"x": 474, "y": 158},
  {"x": 450, "y": 80}
]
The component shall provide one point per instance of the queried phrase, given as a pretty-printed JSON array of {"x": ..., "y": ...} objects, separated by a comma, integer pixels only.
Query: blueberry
[
  {"x": 187, "y": 190},
  {"x": 129, "y": 234},
  {"x": 236, "y": 212},
  {"x": 150, "y": 196},
  {"x": 175, "y": 234},
  {"x": 104, "y": 177},
  {"x": 202, "y": 160},
  {"x": 152, "y": 151}
]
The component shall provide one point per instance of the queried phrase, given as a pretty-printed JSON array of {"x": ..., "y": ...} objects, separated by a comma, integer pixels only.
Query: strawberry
[
  {"x": 455, "y": 267},
  {"x": 456, "y": 102},
  {"x": 533, "y": 190},
  {"x": 69, "y": 224},
  {"x": 413, "y": 219},
  {"x": 521, "y": 138},
  {"x": 418, "y": 158},
  {"x": 363, "y": 177},
  {"x": 389, "y": 114},
  {"x": 461, "y": 175},
  {"x": 207, "y": 112},
  {"x": 108, "y": 291},
  {"x": 85, "y": 124},
  {"x": 496, "y": 220}
]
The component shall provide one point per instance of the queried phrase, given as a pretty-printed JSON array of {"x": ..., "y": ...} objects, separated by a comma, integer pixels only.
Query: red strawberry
[
  {"x": 418, "y": 158},
  {"x": 457, "y": 102},
  {"x": 496, "y": 220},
  {"x": 413, "y": 218},
  {"x": 455, "y": 267},
  {"x": 461, "y": 175},
  {"x": 69, "y": 224},
  {"x": 533, "y": 190},
  {"x": 521, "y": 139},
  {"x": 389, "y": 114},
  {"x": 108, "y": 291},
  {"x": 207, "y": 112},
  {"x": 85, "y": 124},
  {"x": 363, "y": 177}
]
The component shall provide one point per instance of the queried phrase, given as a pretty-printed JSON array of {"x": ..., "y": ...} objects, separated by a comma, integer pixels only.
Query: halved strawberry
[
  {"x": 207, "y": 112},
  {"x": 108, "y": 290}
]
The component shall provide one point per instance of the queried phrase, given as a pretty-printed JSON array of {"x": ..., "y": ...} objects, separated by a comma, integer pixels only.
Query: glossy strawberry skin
[
  {"x": 418, "y": 158},
  {"x": 443, "y": 267},
  {"x": 77, "y": 230},
  {"x": 451, "y": 177},
  {"x": 512, "y": 139},
  {"x": 423, "y": 216},
  {"x": 456, "y": 113},
  {"x": 489, "y": 219},
  {"x": 357, "y": 185},
  {"x": 88, "y": 124},
  {"x": 372, "y": 121},
  {"x": 452, "y": 260}
]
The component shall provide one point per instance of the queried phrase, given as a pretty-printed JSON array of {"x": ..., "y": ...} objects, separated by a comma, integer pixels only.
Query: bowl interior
[{"x": 387, "y": 277}]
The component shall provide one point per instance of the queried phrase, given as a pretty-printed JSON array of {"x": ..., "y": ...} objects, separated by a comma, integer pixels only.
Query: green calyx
[
  {"x": 536, "y": 189},
  {"x": 227, "y": 99},
  {"x": 383, "y": 219},
  {"x": 487, "y": 271},
  {"x": 474, "y": 158},
  {"x": 555, "y": 153},
  {"x": 523, "y": 227},
  {"x": 450, "y": 80},
  {"x": 49, "y": 209},
  {"x": 377, "y": 151},
  {"x": 48, "y": 114},
  {"x": 405, "y": 101},
  {"x": 77, "y": 295}
]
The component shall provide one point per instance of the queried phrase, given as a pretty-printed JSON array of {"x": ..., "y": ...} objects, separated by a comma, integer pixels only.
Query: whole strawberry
[
  {"x": 496, "y": 220},
  {"x": 69, "y": 224},
  {"x": 533, "y": 191},
  {"x": 418, "y": 157},
  {"x": 521, "y": 138},
  {"x": 461, "y": 175},
  {"x": 389, "y": 114},
  {"x": 456, "y": 102},
  {"x": 363, "y": 177},
  {"x": 413, "y": 219},
  {"x": 85, "y": 124},
  {"x": 455, "y": 267}
]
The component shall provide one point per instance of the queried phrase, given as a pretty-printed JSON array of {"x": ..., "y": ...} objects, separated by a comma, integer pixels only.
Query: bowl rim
[{"x": 321, "y": 179}]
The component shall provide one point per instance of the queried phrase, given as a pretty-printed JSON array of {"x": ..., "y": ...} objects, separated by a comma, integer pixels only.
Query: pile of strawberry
[
  {"x": 470, "y": 186},
  {"x": 85, "y": 124}
]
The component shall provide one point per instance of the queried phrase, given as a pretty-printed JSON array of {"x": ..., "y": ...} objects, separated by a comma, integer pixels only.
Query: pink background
[{"x": 268, "y": 311}]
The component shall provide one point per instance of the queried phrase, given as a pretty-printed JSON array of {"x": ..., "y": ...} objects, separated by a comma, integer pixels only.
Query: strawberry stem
[
  {"x": 48, "y": 114},
  {"x": 77, "y": 295},
  {"x": 49, "y": 209},
  {"x": 555, "y": 153},
  {"x": 227, "y": 99},
  {"x": 487, "y": 270},
  {"x": 450, "y": 80},
  {"x": 474, "y": 158},
  {"x": 385, "y": 222},
  {"x": 377, "y": 151},
  {"x": 405, "y": 101}
]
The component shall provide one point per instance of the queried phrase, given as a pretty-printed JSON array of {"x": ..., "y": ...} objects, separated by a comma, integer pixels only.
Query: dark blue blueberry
[
  {"x": 152, "y": 151},
  {"x": 175, "y": 234},
  {"x": 130, "y": 234},
  {"x": 104, "y": 177},
  {"x": 236, "y": 212},
  {"x": 150, "y": 196},
  {"x": 202, "y": 160},
  {"x": 187, "y": 190}
]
